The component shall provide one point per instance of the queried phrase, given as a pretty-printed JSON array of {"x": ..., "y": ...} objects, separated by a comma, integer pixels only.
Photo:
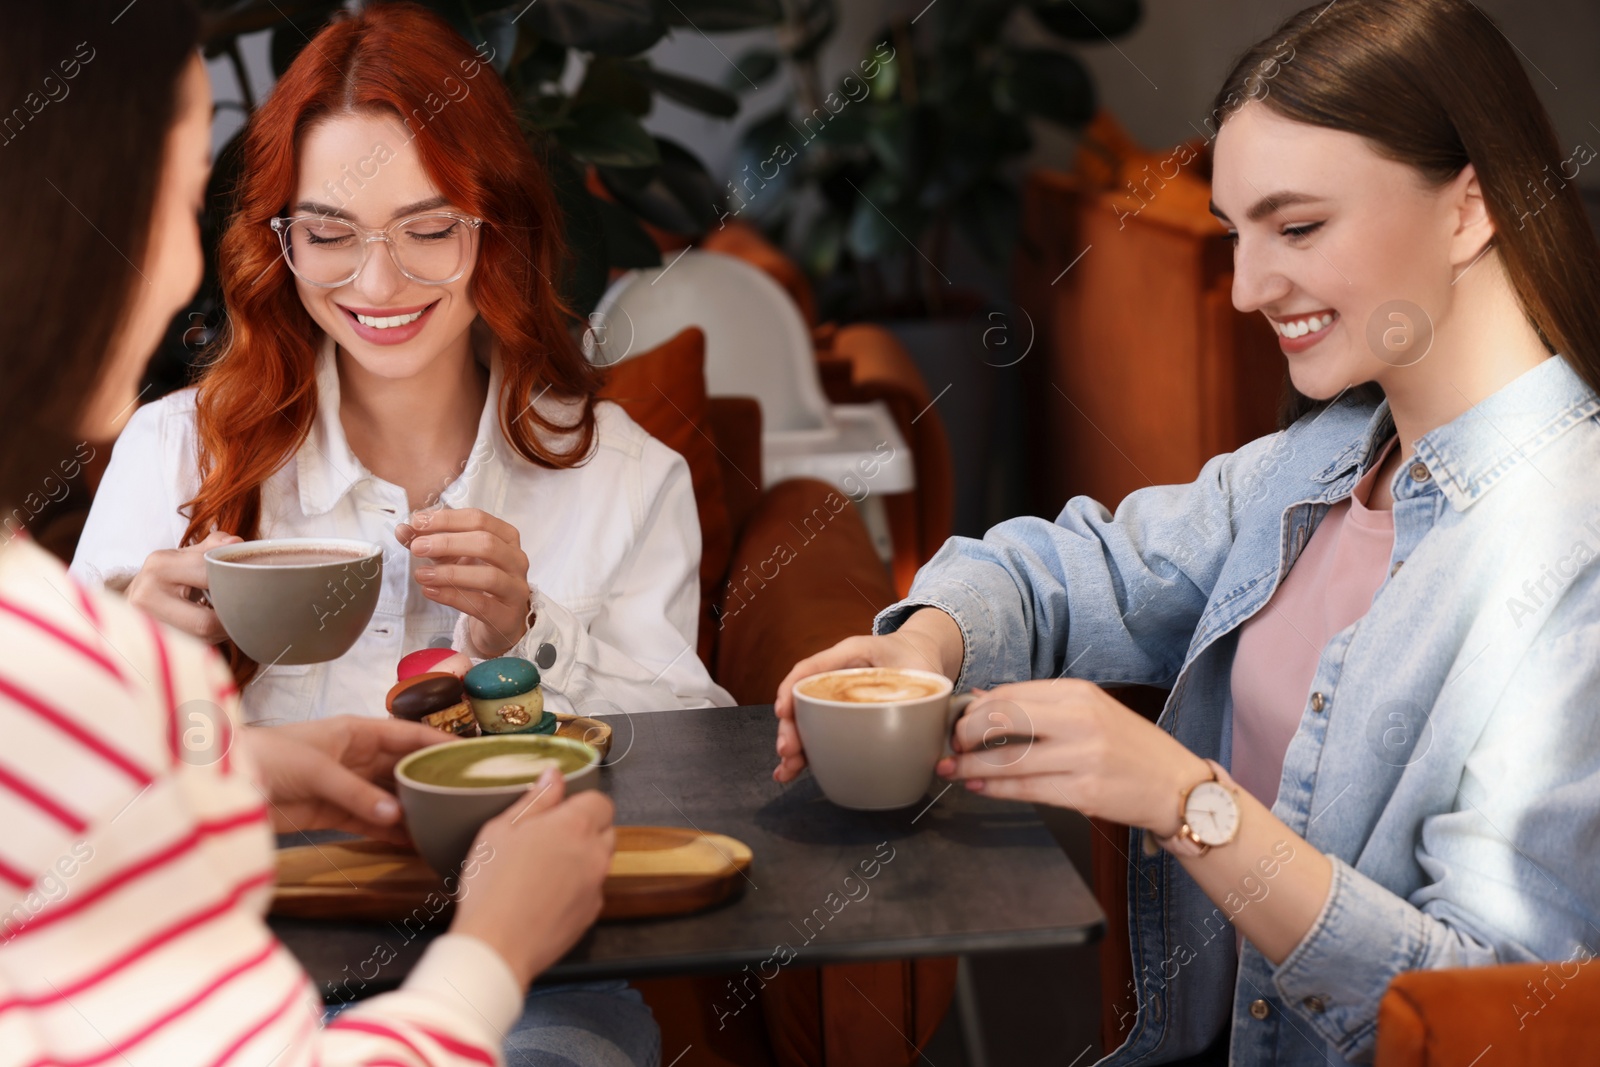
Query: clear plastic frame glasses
[{"x": 434, "y": 248}]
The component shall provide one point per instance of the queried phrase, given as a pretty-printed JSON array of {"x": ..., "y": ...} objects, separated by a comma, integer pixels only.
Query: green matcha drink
[{"x": 488, "y": 764}]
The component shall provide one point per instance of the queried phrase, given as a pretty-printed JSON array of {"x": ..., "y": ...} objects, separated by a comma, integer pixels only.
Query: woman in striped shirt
[{"x": 136, "y": 857}]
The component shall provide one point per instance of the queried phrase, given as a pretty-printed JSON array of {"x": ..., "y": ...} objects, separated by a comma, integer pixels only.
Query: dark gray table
[{"x": 956, "y": 874}]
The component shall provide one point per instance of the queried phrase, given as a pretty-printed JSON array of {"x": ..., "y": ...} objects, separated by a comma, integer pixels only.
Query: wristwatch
[{"x": 1209, "y": 811}]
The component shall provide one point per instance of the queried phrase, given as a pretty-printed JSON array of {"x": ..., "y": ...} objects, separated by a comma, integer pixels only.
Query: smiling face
[
  {"x": 1333, "y": 241},
  {"x": 363, "y": 167}
]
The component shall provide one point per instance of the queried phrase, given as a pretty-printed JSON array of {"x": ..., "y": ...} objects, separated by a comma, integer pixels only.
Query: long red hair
[{"x": 257, "y": 398}]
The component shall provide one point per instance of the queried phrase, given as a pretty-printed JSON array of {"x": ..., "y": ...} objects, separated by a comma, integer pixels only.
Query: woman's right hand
[
  {"x": 929, "y": 640},
  {"x": 531, "y": 884},
  {"x": 166, "y": 586}
]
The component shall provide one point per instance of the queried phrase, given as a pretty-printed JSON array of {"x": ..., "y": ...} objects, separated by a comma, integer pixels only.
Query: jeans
[
  {"x": 585, "y": 1024},
  {"x": 578, "y": 1024}
]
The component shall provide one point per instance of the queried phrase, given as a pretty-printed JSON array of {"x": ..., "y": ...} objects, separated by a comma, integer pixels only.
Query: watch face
[{"x": 1211, "y": 813}]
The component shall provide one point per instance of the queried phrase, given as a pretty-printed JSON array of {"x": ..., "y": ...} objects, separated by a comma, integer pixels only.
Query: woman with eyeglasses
[
  {"x": 136, "y": 857},
  {"x": 396, "y": 366}
]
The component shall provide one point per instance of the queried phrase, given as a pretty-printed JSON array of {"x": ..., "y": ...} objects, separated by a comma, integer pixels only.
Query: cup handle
[{"x": 958, "y": 705}]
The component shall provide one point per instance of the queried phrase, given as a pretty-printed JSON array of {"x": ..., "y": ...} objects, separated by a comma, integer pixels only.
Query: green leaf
[
  {"x": 754, "y": 66},
  {"x": 815, "y": 21},
  {"x": 696, "y": 95},
  {"x": 290, "y": 37},
  {"x": 539, "y": 60},
  {"x": 607, "y": 136},
  {"x": 903, "y": 139},
  {"x": 584, "y": 280},
  {"x": 880, "y": 226},
  {"x": 1087, "y": 20},
  {"x": 459, "y": 16},
  {"x": 970, "y": 23},
  {"x": 821, "y": 246},
  {"x": 679, "y": 196},
  {"x": 612, "y": 82},
  {"x": 606, "y": 27},
  {"x": 1052, "y": 85},
  {"x": 988, "y": 218},
  {"x": 223, "y": 21},
  {"x": 628, "y": 247},
  {"x": 718, "y": 16},
  {"x": 768, "y": 162}
]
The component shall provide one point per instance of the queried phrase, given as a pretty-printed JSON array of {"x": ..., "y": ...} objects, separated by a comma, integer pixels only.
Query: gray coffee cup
[
  {"x": 876, "y": 755},
  {"x": 282, "y": 605},
  {"x": 443, "y": 820}
]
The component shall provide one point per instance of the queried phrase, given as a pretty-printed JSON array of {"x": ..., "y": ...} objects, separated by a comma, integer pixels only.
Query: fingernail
[
  {"x": 386, "y": 810},
  {"x": 421, "y": 545},
  {"x": 430, "y": 590},
  {"x": 946, "y": 768},
  {"x": 422, "y": 520},
  {"x": 425, "y": 574},
  {"x": 975, "y": 785}
]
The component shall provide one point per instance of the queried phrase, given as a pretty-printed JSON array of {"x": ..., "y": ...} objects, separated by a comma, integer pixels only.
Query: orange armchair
[
  {"x": 1492, "y": 1016},
  {"x": 861, "y": 363}
]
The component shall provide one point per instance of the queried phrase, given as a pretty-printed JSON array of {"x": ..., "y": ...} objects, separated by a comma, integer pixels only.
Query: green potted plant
[{"x": 865, "y": 183}]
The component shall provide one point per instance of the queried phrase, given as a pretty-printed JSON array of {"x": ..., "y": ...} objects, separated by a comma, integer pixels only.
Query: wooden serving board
[
  {"x": 583, "y": 728},
  {"x": 656, "y": 871}
]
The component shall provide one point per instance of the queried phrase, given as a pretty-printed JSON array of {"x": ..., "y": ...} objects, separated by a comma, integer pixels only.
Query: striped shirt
[{"x": 136, "y": 864}]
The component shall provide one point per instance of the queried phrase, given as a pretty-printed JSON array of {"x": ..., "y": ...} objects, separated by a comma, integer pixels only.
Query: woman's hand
[
  {"x": 328, "y": 774},
  {"x": 478, "y": 567},
  {"x": 532, "y": 883},
  {"x": 169, "y": 584},
  {"x": 1087, "y": 751},
  {"x": 929, "y": 641}
]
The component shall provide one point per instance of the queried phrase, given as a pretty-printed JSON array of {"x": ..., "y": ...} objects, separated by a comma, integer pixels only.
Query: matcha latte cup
[{"x": 448, "y": 791}]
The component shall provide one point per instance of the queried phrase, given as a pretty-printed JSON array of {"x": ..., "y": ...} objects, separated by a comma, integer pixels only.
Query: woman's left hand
[
  {"x": 1088, "y": 751},
  {"x": 478, "y": 567}
]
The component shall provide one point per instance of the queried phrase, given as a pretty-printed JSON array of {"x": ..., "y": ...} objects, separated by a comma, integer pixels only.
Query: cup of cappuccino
[
  {"x": 295, "y": 600},
  {"x": 873, "y": 735}
]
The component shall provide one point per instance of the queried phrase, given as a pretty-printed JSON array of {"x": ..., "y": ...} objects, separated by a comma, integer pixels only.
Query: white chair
[{"x": 757, "y": 345}]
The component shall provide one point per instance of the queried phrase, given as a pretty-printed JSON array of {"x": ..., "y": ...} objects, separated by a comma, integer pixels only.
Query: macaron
[
  {"x": 502, "y": 677},
  {"x": 421, "y": 694},
  {"x": 506, "y": 697},
  {"x": 422, "y": 661}
]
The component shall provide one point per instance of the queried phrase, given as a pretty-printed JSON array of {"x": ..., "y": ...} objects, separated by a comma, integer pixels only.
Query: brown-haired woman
[
  {"x": 397, "y": 367},
  {"x": 1380, "y": 626}
]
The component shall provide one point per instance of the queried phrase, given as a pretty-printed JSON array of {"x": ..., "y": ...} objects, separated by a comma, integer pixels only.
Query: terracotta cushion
[
  {"x": 664, "y": 390},
  {"x": 1491, "y": 1016}
]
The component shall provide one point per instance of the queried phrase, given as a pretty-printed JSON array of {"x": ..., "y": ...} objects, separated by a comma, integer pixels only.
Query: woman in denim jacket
[{"x": 1413, "y": 730}]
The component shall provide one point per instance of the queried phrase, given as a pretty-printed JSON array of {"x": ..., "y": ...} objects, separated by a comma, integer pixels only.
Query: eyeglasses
[{"x": 433, "y": 249}]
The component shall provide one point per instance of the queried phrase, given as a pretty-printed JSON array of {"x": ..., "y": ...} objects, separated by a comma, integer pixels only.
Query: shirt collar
[
  {"x": 328, "y": 470},
  {"x": 1470, "y": 454},
  {"x": 1477, "y": 448}
]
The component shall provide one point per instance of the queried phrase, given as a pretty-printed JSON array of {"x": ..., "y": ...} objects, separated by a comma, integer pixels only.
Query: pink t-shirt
[{"x": 1329, "y": 587}]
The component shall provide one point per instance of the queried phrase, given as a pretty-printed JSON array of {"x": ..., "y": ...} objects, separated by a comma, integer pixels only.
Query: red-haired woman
[{"x": 396, "y": 342}]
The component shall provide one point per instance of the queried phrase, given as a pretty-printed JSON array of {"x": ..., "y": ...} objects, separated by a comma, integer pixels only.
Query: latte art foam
[{"x": 872, "y": 687}]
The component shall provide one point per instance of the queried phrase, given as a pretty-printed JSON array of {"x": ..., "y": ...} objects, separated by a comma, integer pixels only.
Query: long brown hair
[
  {"x": 92, "y": 97},
  {"x": 257, "y": 400},
  {"x": 1434, "y": 84}
]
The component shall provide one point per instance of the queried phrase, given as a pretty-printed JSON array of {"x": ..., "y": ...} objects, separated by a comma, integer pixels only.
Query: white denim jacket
[
  {"x": 1448, "y": 753},
  {"x": 613, "y": 554}
]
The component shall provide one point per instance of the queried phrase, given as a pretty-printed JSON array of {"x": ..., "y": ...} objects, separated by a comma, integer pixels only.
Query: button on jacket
[
  {"x": 1447, "y": 757},
  {"x": 613, "y": 552}
]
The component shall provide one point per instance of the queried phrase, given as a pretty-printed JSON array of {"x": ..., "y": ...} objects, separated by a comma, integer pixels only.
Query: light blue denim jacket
[{"x": 1448, "y": 754}]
